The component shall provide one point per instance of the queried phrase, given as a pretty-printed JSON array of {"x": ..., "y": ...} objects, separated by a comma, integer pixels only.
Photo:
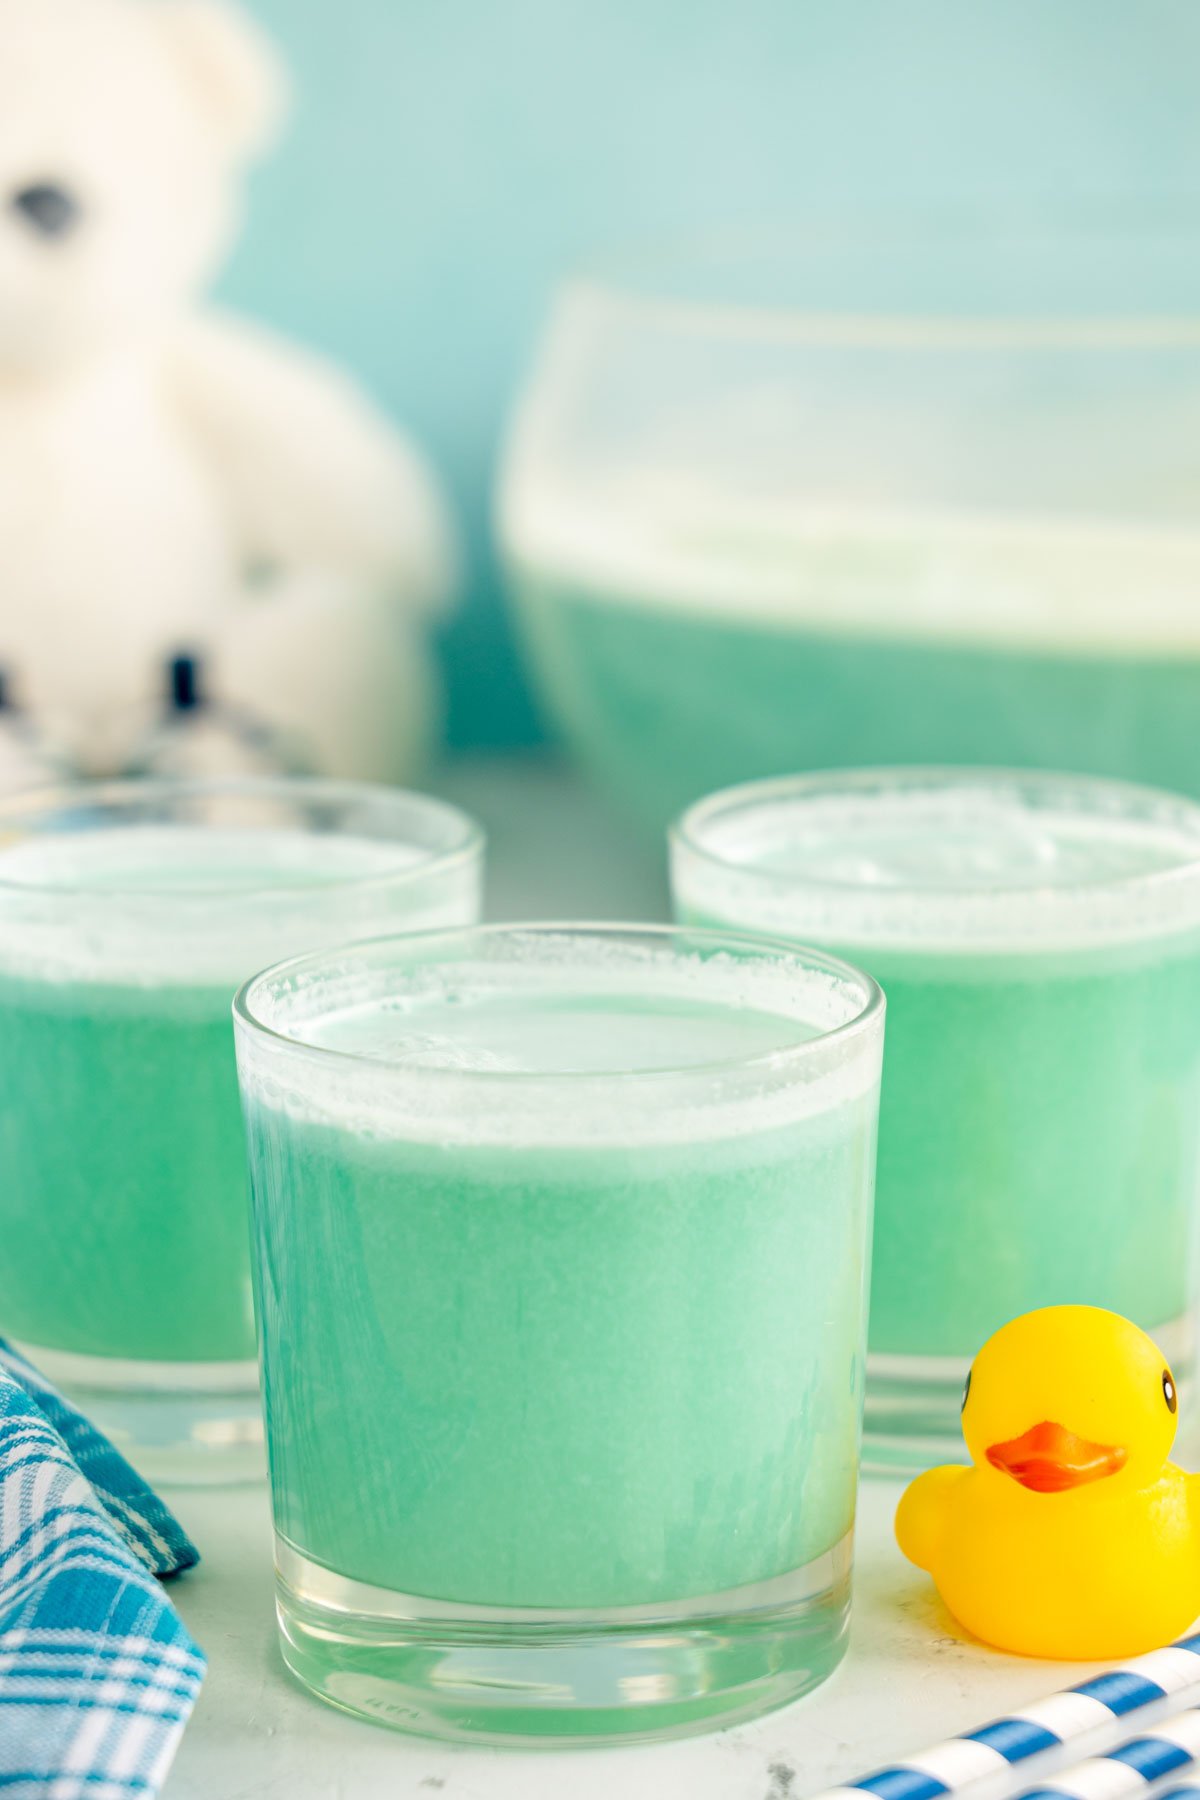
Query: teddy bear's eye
[
  {"x": 1169, "y": 1394},
  {"x": 47, "y": 207},
  {"x": 966, "y": 1391}
]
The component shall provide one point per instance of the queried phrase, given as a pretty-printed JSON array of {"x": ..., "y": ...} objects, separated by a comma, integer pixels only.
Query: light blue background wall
[{"x": 449, "y": 157}]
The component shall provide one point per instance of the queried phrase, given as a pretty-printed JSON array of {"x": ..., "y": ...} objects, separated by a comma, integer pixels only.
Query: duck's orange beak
[{"x": 1049, "y": 1459}]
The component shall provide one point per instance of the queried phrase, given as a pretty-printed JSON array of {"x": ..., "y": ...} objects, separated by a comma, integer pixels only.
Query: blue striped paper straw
[
  {"x": 979, "y": 1756},
  {"x": 1130, "y": 1769}
]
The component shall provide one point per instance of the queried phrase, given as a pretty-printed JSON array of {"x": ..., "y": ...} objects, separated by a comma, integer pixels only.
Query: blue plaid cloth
[{"x": 97, "y": 1674}]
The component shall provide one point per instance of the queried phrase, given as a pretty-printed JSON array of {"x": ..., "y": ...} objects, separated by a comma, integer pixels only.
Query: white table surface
[{"x": 908, "y": 1680}]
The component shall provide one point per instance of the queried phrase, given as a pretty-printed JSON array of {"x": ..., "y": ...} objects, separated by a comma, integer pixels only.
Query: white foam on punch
[
  {"x": 985, "y": 863},
  {"x": 672, "y": 539},
  {"x": 540, "y": 1034},
  {"x": 177, "y": 860},
  {"x": 154, "y": 905},
  {"x": 558, "y": 1042}
]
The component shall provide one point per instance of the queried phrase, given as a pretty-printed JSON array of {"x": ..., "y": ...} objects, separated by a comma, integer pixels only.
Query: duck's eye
[
  {"x": 967, "y": 1392},
  {"x": 1169, "y": 1394}
]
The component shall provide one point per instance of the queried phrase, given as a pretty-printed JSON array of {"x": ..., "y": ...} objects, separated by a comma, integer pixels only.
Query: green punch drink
[
  {"x": 680, "y": 654},
  {"x": 128, "y": 916},
  {"x": 562, "y": 1249},
  {"x": 1038, "y": 939},
  {"x": 860, "y": 494}
]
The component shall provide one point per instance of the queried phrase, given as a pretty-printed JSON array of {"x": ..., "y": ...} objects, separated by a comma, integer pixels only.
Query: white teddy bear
[{"x": 172, "y": 480}]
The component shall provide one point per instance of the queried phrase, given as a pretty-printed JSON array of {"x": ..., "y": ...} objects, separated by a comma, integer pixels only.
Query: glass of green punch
[
  {"x": 129, "y": 914},
  {"x": 1038, "y": 939},
  {"x": 562, "y": 1244}
]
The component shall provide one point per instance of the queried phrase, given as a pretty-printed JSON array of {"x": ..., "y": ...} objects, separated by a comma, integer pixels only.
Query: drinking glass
[
  {"x": 922, "y": 494},
  {"x": 1038, "y": 939},
  {"x": 129, "y": 914},
  {"x": 561, "y": 1245}
]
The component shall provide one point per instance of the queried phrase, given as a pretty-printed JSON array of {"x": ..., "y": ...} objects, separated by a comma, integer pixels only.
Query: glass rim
[
  {"x": 778, "y": 1063},
  {"x": 689, "y": 833},
  {"x": 643, "y": 279},
  {"x": 467, "y": 844}
]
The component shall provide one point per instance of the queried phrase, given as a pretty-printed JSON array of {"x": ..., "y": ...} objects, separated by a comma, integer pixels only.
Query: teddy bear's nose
[{"x": 49, "y": 208}]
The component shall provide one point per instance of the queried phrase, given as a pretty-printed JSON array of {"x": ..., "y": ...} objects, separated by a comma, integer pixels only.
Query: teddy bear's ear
[{"x": 232, "y": 66}]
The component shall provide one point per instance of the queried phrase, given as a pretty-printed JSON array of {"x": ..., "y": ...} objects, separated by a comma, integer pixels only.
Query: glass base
[
  {"x": 182, "y": 1424},
  {"x": 546, "y": 1677},
  {"x": 912, "y": 1418}
]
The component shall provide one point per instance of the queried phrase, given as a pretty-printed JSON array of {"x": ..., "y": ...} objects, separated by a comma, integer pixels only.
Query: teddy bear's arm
[{"x": 312, "y": 475}]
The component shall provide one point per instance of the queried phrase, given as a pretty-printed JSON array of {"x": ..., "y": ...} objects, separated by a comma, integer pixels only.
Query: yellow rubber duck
[{"x": 1071, "y": 1536}]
